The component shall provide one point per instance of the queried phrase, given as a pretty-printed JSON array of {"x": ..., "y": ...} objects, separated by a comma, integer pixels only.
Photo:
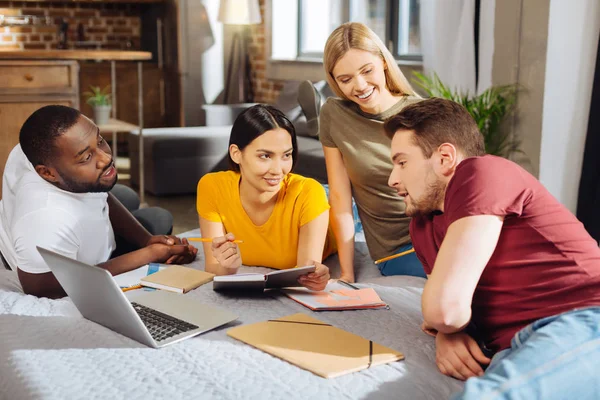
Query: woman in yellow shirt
[{"x": 282, "y": 218}]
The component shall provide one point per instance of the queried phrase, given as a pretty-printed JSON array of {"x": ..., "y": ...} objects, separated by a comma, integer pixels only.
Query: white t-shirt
[{"x": 34, "y": 212}]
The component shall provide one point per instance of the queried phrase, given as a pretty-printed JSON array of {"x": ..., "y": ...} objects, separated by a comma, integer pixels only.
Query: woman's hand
[
  {"x": 348, "y": 278},
  {"x": 315, "y": 280},
  {"x": 227, "y": 253}
]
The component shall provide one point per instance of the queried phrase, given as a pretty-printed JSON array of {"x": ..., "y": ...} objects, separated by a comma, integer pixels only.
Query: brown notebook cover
[
  {"x": 177, "y": 278},
  {"x": 314, "y": 345}
]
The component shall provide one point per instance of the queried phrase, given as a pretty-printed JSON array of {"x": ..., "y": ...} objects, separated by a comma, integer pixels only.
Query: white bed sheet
[{"x": 48, "y": 351}]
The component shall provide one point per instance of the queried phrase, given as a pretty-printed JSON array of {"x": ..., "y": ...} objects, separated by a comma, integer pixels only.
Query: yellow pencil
[
  {"x": 208, "y": 240},
  {"x": 127, "y": 289},
  {"x": 394, "y": 256}
]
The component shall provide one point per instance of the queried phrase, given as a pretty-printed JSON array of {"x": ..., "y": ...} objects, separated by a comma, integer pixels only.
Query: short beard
[
  {"x": 75, "y": 186},
  {"x": 430, "y": 201}
]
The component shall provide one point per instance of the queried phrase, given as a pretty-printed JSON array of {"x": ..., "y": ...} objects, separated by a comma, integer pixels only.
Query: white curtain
[
  {"x": 448, "y": 42},
  {"x": 487, "y": 13}
]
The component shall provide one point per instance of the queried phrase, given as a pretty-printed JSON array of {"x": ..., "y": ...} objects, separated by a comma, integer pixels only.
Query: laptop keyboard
[{"x": 161, "y": 326}]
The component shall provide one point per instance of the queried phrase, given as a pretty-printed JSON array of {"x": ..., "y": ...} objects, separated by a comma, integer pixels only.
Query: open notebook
[
  {"x": 338, "y": 295},
  {"x": 260, "y": 282},
  {"x": 314, "y": 345}
]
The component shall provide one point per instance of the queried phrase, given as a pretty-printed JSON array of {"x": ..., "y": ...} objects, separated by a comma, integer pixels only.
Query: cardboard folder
[{"x": 314, "y": 345}]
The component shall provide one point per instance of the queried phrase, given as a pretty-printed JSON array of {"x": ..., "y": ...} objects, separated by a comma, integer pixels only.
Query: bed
[{"x": 48, "y": 351}]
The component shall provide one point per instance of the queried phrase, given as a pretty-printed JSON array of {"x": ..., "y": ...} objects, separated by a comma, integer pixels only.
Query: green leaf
[{"x": 98, "y": 97}]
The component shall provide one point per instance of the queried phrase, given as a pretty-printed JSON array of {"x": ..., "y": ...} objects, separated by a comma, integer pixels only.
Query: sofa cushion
[
  {"x": 162, "y": 143},
  {"x": 311, "y": 159},
  {"x": 176, "y": 158}
]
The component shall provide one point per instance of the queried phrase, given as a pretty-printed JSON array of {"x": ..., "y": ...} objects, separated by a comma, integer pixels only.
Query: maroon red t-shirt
[{"x": 545, "y": 262}]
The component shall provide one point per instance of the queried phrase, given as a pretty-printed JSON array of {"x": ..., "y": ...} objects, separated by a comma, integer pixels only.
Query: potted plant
[
  {"x": 488, "y": 109},
  {"x": 100, "y": 100}
]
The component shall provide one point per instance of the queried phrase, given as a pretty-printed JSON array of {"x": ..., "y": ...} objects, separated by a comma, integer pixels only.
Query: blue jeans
[
  {"x": 557, "y": 357},
  {"x": 405, "y": 265}
]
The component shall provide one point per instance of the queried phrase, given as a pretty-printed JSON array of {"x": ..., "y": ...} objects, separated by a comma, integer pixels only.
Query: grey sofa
[{"x": 176, "y": 158}]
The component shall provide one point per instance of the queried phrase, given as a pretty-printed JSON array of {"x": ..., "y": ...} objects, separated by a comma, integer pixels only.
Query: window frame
[
  {"x": 391, "y": 35},
  {"x": 392, "y": 43}
]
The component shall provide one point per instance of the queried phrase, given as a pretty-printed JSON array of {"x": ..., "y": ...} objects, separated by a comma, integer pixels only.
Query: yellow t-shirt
[{"x": 275, "y": 243}]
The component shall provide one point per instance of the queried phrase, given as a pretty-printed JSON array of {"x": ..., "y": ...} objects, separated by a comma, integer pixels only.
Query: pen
[
  {"x": 348, "y": 284},
  {"x": 395, "y": 256},
  {"x": 127, "y": 289},
  {"x": 208, "y": 240}
]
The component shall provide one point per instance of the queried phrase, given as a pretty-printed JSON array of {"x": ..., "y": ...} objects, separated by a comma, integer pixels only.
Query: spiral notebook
[{"x": 314, "y": 345}]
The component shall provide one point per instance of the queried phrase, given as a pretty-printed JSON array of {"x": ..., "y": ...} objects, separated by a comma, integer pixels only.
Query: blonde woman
[{"x": 371, "y": 88}]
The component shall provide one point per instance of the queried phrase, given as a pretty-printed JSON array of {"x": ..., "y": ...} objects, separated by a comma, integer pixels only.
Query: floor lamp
[{"x": 243, "y": 13}]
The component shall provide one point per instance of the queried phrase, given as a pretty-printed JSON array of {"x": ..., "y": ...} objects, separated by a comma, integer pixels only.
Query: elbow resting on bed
[{"x": 447, "y": 317}]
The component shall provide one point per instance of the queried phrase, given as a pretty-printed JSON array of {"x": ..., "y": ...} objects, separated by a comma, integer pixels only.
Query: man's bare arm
[
  {"x": 467, "y": 247},
  {"x": 46, "y": 284},
  {"x": 124, "y": 223}
]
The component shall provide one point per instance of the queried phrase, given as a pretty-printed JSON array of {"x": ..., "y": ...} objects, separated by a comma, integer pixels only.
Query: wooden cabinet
[{"x": 26, "y": 86}]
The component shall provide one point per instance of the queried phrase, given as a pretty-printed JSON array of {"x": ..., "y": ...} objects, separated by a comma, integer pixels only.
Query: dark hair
[
  {"x": 436, "y": 121},
  {"x": 255, "y": 121},
  {"x": 41, "y": 129}
]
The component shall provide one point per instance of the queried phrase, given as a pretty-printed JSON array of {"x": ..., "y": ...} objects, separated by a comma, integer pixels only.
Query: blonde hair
[{"x": 354, "y": 35}]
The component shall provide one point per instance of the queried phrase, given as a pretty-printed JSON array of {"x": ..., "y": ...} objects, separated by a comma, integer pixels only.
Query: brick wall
[
  {"x": 113, "y": 26},
  {"x": 265, "y": 90}
]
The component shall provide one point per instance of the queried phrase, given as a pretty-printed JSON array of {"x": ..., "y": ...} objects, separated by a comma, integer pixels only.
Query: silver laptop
[{"x": 155, "y": 319}]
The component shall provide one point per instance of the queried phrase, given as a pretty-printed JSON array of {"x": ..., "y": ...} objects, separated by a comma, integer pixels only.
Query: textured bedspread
[{"x": 48, "y": 351}]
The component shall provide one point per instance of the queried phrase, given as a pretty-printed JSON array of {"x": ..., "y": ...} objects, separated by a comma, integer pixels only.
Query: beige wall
[{"x": 521, "y": 35}]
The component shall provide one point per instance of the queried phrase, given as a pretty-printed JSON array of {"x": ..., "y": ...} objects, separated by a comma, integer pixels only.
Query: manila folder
[{"x": 314, "y": 345}]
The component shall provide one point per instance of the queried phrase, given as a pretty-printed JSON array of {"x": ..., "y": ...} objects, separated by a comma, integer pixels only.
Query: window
[
  {"x": 396, "y": 22},
  {"x": 407, "y": 36},
  {"x": 316, "y": 20}
]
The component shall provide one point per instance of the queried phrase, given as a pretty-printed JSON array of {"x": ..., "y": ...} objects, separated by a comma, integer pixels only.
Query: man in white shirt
[{"x": 55, "y": 189}]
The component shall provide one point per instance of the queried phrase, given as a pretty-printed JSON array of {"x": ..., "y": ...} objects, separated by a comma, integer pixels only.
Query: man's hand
[
  {"x": 459, "y": 356},
  {"x": 227, "y": 253},
  {"x": 315, "y": 280},
  {"x": 164, "y": 239},
  {"x": 172, "y": 254},
  {"x": 347, "y": 278},
  {"x": 178, "y": 257}
]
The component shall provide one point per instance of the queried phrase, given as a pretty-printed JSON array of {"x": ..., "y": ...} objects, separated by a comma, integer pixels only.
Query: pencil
[
  {"x": 208, "y": 240},
  {"x": 395, "y": 256},
  {"x": 347, "y": 284},
  {"x": 127, "y": 289}
]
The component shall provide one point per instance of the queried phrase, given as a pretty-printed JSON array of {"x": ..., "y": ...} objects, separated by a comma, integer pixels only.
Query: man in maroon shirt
[{"x": 502, "y": 255}]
